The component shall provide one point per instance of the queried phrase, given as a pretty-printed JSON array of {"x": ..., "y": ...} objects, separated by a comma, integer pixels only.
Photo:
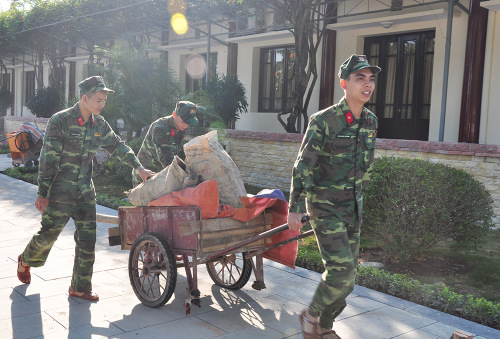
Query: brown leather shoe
[
  {"x": 25, "y": 276},
  {"x": 90, "y": 296},
  {"x": 329, "y": 334},
  {"x": 309, "y": 335}
]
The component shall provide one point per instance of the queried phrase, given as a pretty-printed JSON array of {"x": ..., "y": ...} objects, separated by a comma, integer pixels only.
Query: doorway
[{"x": 403, "y": 89}]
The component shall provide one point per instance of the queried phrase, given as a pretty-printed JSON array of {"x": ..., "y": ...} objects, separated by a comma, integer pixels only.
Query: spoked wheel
[
  {"x": 152, "y": 269},
  {"x": 23, "y": 141},
  {"x": 231, "y": 271}
]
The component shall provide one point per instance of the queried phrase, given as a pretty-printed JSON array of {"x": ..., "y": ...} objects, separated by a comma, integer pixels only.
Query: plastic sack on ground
[
  {"x": 206, "y": 158},
  {"x": 171, "y": 178},
  {"x": 205, "y": 195}
]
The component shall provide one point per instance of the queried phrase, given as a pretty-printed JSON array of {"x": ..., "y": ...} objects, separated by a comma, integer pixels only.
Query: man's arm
[
  {"x": 115, "y": 146},
  {"x": 303, "y": 170},
  {"x": 50, "y": 157}
]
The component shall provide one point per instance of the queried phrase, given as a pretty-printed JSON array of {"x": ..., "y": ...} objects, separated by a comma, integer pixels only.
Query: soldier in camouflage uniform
[
  {"x": 332, "y": 169},
  {"x": 65, "y": 187},
  {"x": 165, "y": 138}
]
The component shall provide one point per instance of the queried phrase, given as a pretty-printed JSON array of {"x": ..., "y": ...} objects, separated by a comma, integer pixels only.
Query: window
[
  {"x": 29, "y": 86},
  {"x": 403, "y": 89},
  {"x": 5, "y": 82},
  {"x": 276, "y": 79},
  {"x": 61, "y": 77},
  {"x": 196, "y": 70}
]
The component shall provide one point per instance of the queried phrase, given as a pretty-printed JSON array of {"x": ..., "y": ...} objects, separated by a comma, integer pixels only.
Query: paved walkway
[{"x": 43, "y": 308}]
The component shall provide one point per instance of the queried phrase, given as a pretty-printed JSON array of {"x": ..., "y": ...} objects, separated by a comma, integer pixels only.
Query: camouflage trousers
[
  {"x": 338, "y": 243},
  {"x": 53, "y": 221}
]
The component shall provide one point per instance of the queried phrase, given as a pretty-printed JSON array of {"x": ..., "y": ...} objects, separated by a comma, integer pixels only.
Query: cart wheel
[
  {"x": 15, "y": 164},
  {"x": 231, "y": 271},
  {"x": 36, "y": 162},
  {"x": 152, "y": 269},
  {"x": 28, "y": 163},
  {"x": 23, "y": 141}
]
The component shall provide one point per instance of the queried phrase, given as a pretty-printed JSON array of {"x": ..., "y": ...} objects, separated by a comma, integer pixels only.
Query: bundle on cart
[{"x": 206, "y": 160}]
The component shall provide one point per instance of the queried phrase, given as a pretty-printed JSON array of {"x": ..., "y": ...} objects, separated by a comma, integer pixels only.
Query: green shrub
[
  {"x": 411, "y": 205},
  {"x": 436, "y": 296},
  {"x": 309, "y": 259},
  {"x": 4, "y": 148},
  {"x": 28, "y": 174},
  {"x": 110, "y": 202},
  {"x": 45, "y": 102}
]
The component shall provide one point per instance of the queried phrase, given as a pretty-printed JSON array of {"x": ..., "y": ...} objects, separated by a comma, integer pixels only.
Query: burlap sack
[
  {"x": 206, "y": 158},
  {"x": 171, "y": 178}
]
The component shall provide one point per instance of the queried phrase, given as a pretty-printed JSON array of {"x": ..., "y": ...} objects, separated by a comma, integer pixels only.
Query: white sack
[
  {"x": 171, "y": 178},
  {"x": 208, "y": 160}
]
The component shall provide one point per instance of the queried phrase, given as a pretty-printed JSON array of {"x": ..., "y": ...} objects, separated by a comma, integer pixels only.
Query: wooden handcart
[{"x": 162, "y": 239}]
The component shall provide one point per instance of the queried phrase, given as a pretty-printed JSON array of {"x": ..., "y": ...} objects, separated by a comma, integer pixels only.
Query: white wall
[{"x": 490, "y": 112}]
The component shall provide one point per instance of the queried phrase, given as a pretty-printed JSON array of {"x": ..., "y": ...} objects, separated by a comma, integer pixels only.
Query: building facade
[{"x": 439, "y": 82}]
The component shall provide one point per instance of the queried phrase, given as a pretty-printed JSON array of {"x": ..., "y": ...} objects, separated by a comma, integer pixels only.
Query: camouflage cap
[
  {"x": 355, "y": 63},
  {"x": 93, "y": 84},
  {"x": 187, "y": 111}
]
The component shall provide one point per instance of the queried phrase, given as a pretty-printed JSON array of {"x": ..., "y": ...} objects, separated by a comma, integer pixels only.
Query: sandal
[
  {"x": 25, "y": 276},
  {"x": 334, "y": 334},
  {"x": 90, "y": 296},
  {"x": 308, "y": 335}
]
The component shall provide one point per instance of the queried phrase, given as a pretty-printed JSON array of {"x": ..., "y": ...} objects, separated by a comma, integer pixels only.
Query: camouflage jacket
[
  {"x": 69, "y": 145},
  {"x": 334, "y": 164},
  {"x": 162, "y": 142}
]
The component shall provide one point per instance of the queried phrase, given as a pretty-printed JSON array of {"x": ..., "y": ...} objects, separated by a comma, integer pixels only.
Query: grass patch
[{"x": 4, "y": 149}]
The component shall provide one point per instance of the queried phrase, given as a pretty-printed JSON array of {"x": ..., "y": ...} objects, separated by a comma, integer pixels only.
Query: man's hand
[
  {"x": 145, "y": 174},
  {"x": 295, "y": 221},
  {"x": 41, "y": 204}
]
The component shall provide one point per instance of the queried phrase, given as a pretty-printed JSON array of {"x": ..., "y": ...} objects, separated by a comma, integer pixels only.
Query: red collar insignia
[
  {"x": 80, "y": 121},
  {"x": 349, "y": 117},
  {"x": 172, "y": 133}
]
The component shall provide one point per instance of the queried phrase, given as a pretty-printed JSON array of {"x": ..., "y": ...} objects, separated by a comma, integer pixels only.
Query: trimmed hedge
[
  {"x": 412, "y": 204},
  {"x": 436, "y": 296}
]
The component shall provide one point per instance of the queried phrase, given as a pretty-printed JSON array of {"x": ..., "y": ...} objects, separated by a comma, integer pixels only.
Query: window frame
[
  {"x": 191, "y": 84},
  {"x": 29, "y": 85},
  {"x": 287, "y": 49}
]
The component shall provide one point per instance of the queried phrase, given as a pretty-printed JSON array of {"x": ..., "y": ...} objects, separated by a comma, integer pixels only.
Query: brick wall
[{"x": 12, "y": 123}]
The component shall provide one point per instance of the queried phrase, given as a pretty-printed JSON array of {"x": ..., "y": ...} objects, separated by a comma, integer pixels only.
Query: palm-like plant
[
  {"x": 229, "y": 98},
  {"x": 145, "y": 88}
]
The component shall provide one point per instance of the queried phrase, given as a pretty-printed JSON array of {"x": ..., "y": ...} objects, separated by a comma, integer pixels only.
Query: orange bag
[{"x": 205, "y": 195}]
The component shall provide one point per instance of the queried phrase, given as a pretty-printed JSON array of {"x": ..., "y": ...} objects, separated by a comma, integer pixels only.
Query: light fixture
[{"x": 386, "y": 24}]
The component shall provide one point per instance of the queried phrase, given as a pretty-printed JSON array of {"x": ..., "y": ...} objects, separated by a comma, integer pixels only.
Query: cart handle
[{"x": 253, "y": 239}]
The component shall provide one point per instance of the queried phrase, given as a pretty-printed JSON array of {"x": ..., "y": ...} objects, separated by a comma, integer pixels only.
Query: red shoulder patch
[
  {"x": 172, "y": 133},
  {"x": 80, "y": 121},
  {"x": 349, "y": 117}
]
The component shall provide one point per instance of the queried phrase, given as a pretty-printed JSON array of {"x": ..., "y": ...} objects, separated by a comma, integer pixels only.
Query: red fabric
[
  {"x": 206, "y": 196},
  {"x": 254, "y": 206}
]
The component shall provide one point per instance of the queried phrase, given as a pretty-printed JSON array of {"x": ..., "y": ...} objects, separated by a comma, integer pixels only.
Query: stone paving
[{"x": 43, "y": 308}]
